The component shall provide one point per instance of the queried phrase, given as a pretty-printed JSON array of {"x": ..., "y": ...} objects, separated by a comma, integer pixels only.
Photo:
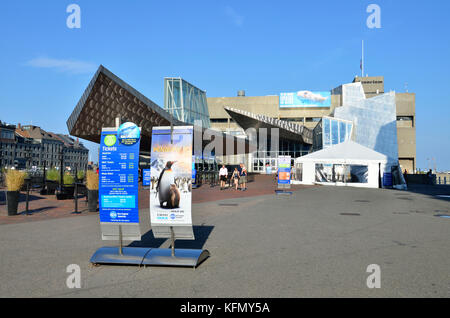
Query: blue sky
[{"x": 263, "y": 47}]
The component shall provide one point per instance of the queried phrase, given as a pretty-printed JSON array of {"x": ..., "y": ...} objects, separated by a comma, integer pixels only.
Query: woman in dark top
[
  {"x": 243, "y": 178},
  {"x": 235, "y": 178}
]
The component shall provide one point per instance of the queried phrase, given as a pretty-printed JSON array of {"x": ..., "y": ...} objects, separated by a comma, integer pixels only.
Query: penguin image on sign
[
  {"x": 169, "y": 195},
  {"x": 174, "y": 197}
]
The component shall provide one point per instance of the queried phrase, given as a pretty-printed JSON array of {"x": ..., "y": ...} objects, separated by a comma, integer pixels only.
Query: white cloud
[
  {"x": 236, "y": 18},
  {"x": 63, "y": 65}
]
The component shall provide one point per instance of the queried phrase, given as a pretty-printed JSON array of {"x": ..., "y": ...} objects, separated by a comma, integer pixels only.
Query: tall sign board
[
  {"x": 171, "y": 166},
  {"x": 118, "y": 182},
  {"x": 170, "y": 202},
  {"x": 284, "y": 171}
]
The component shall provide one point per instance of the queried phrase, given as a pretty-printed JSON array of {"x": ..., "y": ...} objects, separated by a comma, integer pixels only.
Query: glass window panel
[
  {"x": 342, "y": 131},
  {"x": 326, "y": 133},
  {"x": 334, "y": 132}
]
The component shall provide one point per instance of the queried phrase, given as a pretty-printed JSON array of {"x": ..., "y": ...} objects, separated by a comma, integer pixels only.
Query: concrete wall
[
  {"x": 406, "y": 130},
  {"x": 267, "y": 105},
  {"x": 442, "y": 178},
  {"x": 373, "y": 85}
]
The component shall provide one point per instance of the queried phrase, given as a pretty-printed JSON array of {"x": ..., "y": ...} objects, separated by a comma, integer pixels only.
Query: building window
[
  {"x": 405, "y": 121},
  {"x": 219, "y": 120},
  {"x": 313, "y": 119},
  {"x": 293, "y": 119},
  {"x": 6, "y": 134}
]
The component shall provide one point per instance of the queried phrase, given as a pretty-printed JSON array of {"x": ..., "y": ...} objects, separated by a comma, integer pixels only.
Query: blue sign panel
[
  {"x": 305, "y": 99},
  {"x": 146, "y": 177},
  {"x": 118, "y": 175},
  {"x": 284, "y": 169},
  {"x": 387, "y": 179}
]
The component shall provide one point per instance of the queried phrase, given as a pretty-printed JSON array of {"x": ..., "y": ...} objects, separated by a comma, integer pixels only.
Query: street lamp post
[{"x": 61, "y": 182}]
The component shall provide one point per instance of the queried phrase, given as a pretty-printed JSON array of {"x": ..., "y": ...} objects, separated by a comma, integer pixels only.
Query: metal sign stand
[
  {"x": 151, "y": 256},
  {"x": 281, "y": 190},
  {"x": 282, "y": 187},
  {"x": 120, "y": 254},
  {"x": 173, "y": 256}
]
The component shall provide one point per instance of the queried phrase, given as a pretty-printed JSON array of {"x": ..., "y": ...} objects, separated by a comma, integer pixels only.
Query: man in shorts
[
  {"x": 243, "y": 177},
  {"x": 223, "y": 174}
]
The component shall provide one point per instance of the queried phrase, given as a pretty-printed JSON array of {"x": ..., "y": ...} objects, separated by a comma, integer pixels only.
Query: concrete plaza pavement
[{"x": 261, "y": 246}]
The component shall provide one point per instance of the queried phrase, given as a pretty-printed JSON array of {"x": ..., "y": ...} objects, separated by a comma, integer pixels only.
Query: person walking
[
  {"x": 268, "y": 169},
  {"x": 223, "y": 174},
  {"x": 235, "y": 178},
  {"x": 430, "y": 176},
  {"x": 243, "y": 177}
]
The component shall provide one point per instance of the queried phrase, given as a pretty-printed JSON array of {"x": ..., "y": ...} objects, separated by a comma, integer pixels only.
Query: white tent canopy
[{"x": 347, "y": 163}]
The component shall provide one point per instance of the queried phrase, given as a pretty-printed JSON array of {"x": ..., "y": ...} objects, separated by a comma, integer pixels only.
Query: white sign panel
[{"x": 171, "y": 170}]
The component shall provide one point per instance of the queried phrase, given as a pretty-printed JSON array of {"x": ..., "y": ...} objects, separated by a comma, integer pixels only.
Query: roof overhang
[
  {"x": 287, "y": 130},
  {"x": 108, "y": 97}
]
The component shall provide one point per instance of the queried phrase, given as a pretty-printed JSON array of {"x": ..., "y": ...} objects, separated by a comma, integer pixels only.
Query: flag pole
[{"x": 362, "y": 59}]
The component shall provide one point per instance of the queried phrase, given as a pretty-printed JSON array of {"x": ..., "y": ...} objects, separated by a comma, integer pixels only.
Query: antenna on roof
[{"x": 362, "y": 59}]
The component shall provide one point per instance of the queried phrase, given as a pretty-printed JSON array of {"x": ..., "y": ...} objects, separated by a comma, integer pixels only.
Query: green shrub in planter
[
  {"x": 52, "y": 178},
  {"x": 68, "y": 180},
  {"x": 52, "y": 175},
  {"x": 80, "y": 175},
  {"x": 14, "y": 181},
  {"x": 92, "y": 186}
]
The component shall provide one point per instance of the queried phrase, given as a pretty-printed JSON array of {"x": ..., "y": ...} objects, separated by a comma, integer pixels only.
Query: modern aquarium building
[{"x": 289, "y": 123}]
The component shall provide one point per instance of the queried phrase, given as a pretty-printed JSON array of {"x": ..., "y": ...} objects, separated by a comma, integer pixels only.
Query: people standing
[
  {"x": 223, "y": 174},
  {"x": 243, "y": 177},
  {"x": 430, "y": 176},
  {"x": 235, "y": 178},
  {"x": 268, "y": 169}
]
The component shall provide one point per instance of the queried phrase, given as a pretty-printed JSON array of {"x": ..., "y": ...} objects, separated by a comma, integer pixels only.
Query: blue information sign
[
  {"x": 146, "y": 177},
  {"x": 118, "y": 175},
  {"x": 387, "y": 179},
  {"x": 284, "y": 170}
]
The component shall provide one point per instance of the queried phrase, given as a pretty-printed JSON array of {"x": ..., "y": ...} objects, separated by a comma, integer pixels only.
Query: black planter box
[
  {"x": 92, "y": 200},
  {"x": 51, "y": 187},
  {"x": 12, "y": 197},
  {"x": 66, "y": 193}
]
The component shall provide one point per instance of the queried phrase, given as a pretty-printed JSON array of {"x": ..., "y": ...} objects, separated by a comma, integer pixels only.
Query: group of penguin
[{"x": 167, "y": 187}]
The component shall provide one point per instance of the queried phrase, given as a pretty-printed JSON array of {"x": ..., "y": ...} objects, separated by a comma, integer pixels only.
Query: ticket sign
[
  {"x": 146, "y": 177},
  {"x": 284, "y": 170},
  {"x": 118, "y": 174},
  {"x": 171, "y": 156}
]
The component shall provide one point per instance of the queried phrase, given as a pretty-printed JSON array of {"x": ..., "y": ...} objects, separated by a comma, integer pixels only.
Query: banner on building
[
  {"x": 118, "y": 174},
  {"x": 171, "y": 167},
  {"x": 305, "y": 99}
]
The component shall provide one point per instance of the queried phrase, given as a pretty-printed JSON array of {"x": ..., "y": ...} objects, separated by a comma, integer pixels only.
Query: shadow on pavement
[
  {"x": 39, "y": 210},
  {"x": 201, "y": 233},
  {"x": 23, "y": 197},
  {"x": 440, "y": 192}
]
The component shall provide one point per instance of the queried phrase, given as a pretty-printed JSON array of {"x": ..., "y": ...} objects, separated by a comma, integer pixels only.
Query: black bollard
[
  {"x": 28, "y": 196},
  {"x": 75, "y": 197}
]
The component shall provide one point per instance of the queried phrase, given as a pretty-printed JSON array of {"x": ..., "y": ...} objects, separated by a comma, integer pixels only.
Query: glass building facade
[
  {"x": 261, "y": 158},
  {"x": 185, "y": 102},
  {"x": 331, "y": 131},
  {"x": 374, "y": 118}
]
